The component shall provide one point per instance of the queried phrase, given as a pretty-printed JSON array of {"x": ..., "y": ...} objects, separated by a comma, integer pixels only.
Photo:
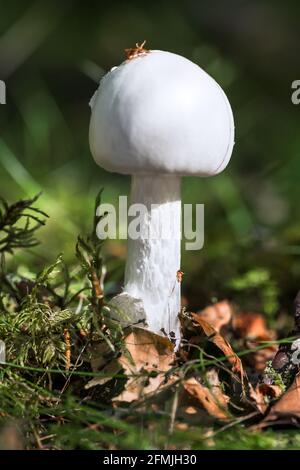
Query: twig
[
  {"x": 174, "y": 411},
  {"x": 68, "y": 348},
  {"x": 234, "y": 423}
]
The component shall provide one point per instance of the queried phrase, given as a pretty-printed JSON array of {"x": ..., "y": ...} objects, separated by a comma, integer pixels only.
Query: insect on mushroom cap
[{"x": 159, "y": 113}]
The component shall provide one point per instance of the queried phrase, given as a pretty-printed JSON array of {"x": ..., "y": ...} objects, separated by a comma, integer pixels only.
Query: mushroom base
[{"x": 153, "y": 260}]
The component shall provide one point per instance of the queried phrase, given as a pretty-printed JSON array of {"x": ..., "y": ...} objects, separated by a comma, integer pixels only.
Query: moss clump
[{"x": 274, "y": 377}]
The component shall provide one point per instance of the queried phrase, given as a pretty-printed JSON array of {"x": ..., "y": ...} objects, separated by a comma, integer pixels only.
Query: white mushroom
[{"x": 158, "y": 117}]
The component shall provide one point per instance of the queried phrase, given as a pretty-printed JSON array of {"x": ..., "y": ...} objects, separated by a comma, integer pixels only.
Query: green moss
[{"x": 274, "y": 376}]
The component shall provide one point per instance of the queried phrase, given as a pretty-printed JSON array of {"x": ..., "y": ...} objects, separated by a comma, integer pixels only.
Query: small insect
[
  {"x": 179, "y": 276},
  {"x": 133, "y": 52}
]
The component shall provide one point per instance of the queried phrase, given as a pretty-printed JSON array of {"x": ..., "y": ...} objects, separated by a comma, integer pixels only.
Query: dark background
[{"x": 52, "y": 55}]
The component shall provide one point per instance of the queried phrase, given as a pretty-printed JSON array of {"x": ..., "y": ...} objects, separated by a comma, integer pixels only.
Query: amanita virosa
[{"x": 158, "y": 117}]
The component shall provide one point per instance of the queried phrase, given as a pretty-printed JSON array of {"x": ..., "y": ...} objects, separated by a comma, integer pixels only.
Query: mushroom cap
[{"x": 159, "y": 113}]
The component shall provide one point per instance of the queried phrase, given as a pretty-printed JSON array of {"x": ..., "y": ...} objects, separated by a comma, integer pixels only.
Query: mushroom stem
[{"x": 153, "y": 258}]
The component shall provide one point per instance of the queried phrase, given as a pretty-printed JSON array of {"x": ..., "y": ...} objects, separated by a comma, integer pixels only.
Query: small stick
[
  {"x": 174, "y": 411},
  {"x": 68, "y": 348}
]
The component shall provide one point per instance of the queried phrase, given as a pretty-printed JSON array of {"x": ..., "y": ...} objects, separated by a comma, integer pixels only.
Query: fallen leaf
[
  {"x": 272, "y": 391},
  {"x": 262, "y": 394},
  {"x": 287, "y": 408},
  {"x": 259, "y": 358},
  {"x": 212, "y": 377},
  {"x": 190, "y": 411},
  {"x": 250, "y": 325},
  {"x": 146, "y": 359},
  {"x": 221, "y": 343},
  {"x": 252, "y": 329},
  {"x": 213, "y": 401},
  {"x": 217, "y": 315}
]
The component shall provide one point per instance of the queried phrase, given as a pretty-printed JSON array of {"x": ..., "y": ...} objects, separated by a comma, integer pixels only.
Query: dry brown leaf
[
  {"x": 212, "y": 377},
  {"x": 253, "y": 331},
  {"x": 217, "y": 315},
  {"x": 258, "y": 359},
  {"x": 262, "y": 394},
  {"x": 145, "y": 352},
  {"x": 213, "y": 400},
  {"x": 250, "y": 325},
  {"x": 221, "y": 343},
  {"x": 287, "y": 408}
]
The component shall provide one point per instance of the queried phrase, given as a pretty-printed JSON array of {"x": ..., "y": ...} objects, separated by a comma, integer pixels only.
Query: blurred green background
[{"x": 52, "y": 55}]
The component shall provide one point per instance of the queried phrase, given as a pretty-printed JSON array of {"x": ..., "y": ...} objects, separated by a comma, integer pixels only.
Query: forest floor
[{"x": 73, "y": 378}]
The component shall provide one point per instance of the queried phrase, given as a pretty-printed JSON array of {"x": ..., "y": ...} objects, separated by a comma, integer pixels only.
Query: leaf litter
[
  {"x": 149, "y": 365},
  {"x": 206, "y": 380}
]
